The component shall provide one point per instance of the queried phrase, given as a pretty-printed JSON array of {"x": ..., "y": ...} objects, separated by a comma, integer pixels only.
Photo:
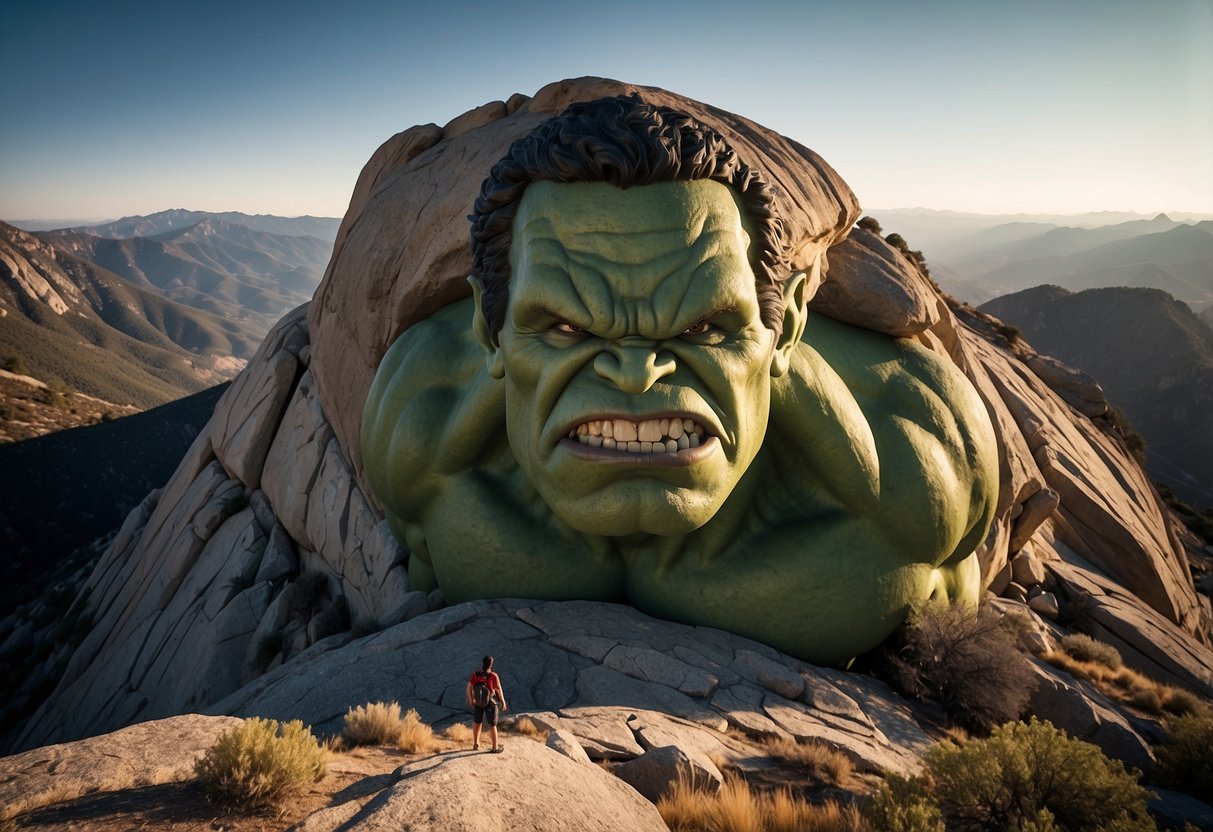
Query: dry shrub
[
  {"x": 967, "y": 661},
  {"x": 823, "y": 764},
  {"x": 526, "y": 726},
  {"x": 261, "y": 763},
  {"x": 416, "y": 737},
  {"x": 901, "y": 805},
  {"x": 381, "y": 723},
  {"x": 375, "y": 723},
  {"x": 1084, "y": 648},
  {"x": 458, "y": 732},
  {"x": 1126, "y": 685},
  {"x": 1178, "y": 701},
  {"x": 737, "y": 808}
]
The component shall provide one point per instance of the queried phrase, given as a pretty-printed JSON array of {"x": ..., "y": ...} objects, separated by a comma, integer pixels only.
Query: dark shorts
[{"x": 486, "y": 714}]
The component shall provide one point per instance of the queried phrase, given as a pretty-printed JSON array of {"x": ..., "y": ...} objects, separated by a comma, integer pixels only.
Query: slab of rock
[
  {"x": 424, "y": 663},
  {"x": 655, "y": 772},
  {"x": 161, "y": 751},
  {"x": 872, "y": 285},
  {"x": 566, "y": 743},
  {"x": 528, "y": 786},
  {"x": 1076, "y": 707}
]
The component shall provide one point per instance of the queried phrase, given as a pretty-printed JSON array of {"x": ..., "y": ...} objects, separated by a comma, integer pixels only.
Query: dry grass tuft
[
  {"x": 737, "y": 808},
  {"x": 823, "y": 764},
  {"x": 1086, "y": 649},
  {"x": 381, "y": 723},
  {"x": 458, "y": 732},
  {"x": 60, "y": 792},
  {"x": 1128, "y": 686},
  {"x": 526, "y": 726}
]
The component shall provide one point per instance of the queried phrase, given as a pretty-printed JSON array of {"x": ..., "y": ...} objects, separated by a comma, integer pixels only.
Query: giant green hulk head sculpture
[{"x": 636, "y": 405}]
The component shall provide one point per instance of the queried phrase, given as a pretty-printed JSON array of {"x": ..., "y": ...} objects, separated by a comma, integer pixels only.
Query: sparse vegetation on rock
[
  {"x": 738, "y": 808},
  {"x": 381, "y": 723},
  {"x": 1185, "y": 760},
  {"x": 967, "y": 661},
  {"x": 820, "y": 763},
  {"x": 1084, "y": 648},
  {"x": 1024, "y": 776},
  {"x": 261, "y": 764}
]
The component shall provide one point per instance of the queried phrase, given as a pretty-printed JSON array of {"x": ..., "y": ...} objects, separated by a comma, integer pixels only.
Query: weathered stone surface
[
  {"x": 566, "y": 743},
  {"x": 294, "y": 459},
  {"x": 1046, "y": 604},
  {"x": 1145, "y": 639},
  {"x": 1027, "y": 570},
  {"x": 872, "y": 285},
  {"x": 772, "y": 675},
  {"x": 514, "y": 790},
  {"x": 1175, "y": 809},
  {"x": 1076, "y": 707},
  {"x": 162, "y": 751},
  {"x": 655, "y": 772},
  {"x": 247, "y": 415}
]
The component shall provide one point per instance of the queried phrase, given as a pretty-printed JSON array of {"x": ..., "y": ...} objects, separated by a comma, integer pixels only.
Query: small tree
[
  {"x": 967, "y": 661},
  {"x": 869, "y": 224},
  {"x": 16, "y": 364}
]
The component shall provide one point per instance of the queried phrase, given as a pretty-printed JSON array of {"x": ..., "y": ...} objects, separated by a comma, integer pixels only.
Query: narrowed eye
[
  {"x": 567, "y": 328},
  {"x": 700, "y": 328}
]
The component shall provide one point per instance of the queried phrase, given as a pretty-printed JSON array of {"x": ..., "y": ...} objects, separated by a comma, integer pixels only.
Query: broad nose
[{"x": 633, "y": 364}]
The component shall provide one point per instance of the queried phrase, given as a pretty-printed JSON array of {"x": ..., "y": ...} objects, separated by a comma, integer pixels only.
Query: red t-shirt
[{"x": 493, "y": 682}]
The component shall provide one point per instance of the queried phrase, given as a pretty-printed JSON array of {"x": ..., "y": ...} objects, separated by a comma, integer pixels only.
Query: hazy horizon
[{"x": 273, "y": 108}]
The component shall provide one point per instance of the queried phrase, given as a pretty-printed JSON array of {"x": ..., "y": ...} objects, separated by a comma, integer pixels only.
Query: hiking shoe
[
  {"x": 499, "y": 749},
  {"x": 475, "y": 746}
]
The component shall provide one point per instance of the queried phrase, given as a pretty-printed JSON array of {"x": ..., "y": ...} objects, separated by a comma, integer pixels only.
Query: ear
[
  {"x": 480, "y": 328},
  {"x": 798, "y": 290}
]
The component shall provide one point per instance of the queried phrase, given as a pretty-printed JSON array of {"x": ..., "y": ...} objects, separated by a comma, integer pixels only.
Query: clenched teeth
[{"x": 650, "y": 436}]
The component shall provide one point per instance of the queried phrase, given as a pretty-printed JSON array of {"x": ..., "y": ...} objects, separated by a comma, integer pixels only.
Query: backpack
[{"x": 482, "y": 696}]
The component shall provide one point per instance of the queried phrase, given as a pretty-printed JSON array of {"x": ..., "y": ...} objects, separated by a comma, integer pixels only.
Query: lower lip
[{"x": 605, "y": 456}]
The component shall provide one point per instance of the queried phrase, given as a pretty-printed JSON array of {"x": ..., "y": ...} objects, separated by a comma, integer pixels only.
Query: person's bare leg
[
  {"x": 493, "y": 734},
  {"x": 476, "y": 735}
]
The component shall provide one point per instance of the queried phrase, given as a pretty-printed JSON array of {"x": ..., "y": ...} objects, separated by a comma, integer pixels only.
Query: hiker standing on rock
[{"x": 484, "y": 694}]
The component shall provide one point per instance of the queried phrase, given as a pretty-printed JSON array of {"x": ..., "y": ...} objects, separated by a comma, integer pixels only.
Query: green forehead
[
  {"x": 595, "y": 212},
  {"x": 665, "y": 246}
]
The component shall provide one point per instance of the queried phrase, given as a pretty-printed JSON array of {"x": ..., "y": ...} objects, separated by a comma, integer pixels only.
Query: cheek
[{"x": 537, "y": 374}]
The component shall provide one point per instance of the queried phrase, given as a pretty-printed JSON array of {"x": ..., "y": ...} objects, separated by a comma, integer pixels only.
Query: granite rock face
[{"x": 264, "y": 551}]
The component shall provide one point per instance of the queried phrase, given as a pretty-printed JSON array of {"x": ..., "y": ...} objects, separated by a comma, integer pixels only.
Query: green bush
[
  {"x": 1185, "y": 760},
  {"x": 261, "y": 764},
  {"x": 901, "y": 805},
  {"x": 15, "y": 364},
  {"x": 1084, "y": 648},
  {"x": 870, "y": 224},
  {"x": 1034, "y": 776},
  {"x": 967, "y": 661}
]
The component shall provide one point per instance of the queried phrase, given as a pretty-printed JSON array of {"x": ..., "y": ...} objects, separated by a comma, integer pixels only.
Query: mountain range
[
  {"x": 976, "y": 259},
  {"x": 1151, "y": 354},
  {"x": 147, "y": 309}
]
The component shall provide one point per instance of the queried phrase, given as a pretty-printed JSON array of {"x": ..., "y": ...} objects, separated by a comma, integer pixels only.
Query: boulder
[
  {"x": 160, "y": 751},
  {"x": 1077, "y": 708},
  {"x": 528, "y": 786},
  {"x": 655, "y": 772}
]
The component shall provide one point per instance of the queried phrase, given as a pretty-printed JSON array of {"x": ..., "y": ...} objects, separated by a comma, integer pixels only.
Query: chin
[{"x": 612, "y": 514}]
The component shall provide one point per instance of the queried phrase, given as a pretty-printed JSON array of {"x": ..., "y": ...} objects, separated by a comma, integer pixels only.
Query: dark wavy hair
[{"x": 622, "y": 141}]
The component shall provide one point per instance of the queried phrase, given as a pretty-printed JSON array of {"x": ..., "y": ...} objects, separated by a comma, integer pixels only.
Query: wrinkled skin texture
[{"x": 843, "y": 476}]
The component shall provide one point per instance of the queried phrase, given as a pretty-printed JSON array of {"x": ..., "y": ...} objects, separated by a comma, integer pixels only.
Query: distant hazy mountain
[
  {"x": 1154, "y": 358},
  {"x": 247, "y": 276},
  {"x": 323, "y": 228},
  {"x": 68, "y": 318},
  {"x": 1178, "y": 261}
]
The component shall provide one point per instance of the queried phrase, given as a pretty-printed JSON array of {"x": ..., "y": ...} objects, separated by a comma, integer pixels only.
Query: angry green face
[{"x": 637, "y": 368}]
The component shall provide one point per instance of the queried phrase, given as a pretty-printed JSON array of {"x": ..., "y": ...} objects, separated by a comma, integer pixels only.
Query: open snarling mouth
[{"x": 648, "y": 436}]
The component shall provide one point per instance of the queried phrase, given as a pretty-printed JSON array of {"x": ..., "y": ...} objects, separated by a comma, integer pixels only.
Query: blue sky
[{"x": 126, "y": 108}]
